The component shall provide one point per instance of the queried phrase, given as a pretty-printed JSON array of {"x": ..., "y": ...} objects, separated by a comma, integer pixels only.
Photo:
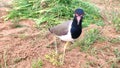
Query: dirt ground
[{"x": 29, "y": 43}]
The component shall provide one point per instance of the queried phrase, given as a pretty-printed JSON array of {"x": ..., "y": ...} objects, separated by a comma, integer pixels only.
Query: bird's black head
[
  {"x": 79, "y": 14},
  {"x": 79, "y": 11}
]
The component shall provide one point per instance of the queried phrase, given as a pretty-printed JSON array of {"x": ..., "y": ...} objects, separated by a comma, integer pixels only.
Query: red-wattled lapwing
[{"x": 69, "y": 30}]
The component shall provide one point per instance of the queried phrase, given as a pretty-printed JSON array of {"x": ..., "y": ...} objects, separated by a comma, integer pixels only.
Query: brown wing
[{"x": 61, "y": 29}]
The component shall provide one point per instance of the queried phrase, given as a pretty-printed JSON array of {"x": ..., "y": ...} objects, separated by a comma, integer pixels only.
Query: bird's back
[{"x": 61, "y": 29}]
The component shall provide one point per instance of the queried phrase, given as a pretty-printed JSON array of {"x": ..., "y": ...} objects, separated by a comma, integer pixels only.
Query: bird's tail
[{"x": 50, "y": 30}]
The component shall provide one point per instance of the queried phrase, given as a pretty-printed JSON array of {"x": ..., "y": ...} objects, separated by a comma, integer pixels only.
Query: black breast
[
  {"x": 76, "y": 29},
  {"x": 75, "y": 32}
]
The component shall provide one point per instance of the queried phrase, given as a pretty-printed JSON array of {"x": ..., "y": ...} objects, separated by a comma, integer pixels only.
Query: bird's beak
[{"x": 78, "y": 19}]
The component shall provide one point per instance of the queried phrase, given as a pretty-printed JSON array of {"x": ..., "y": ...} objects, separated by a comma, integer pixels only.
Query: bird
[{"x": 70, "y": 30}]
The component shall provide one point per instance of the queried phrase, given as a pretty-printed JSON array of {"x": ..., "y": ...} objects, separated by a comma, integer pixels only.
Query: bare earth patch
[{"x": 20, "y": 46}]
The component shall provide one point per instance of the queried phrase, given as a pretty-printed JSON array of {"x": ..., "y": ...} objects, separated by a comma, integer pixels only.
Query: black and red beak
[{"x": 79, "y": 14}]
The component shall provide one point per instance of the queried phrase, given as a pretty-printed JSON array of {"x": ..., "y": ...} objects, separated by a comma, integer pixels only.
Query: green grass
[
  {"x": 116, "y": 22},
  {"x": 115, "y": 15},
  {"x": 91, "y": 64},
  {"x": 111, "y": 13},
  {"x": 5, "y": 59},
  {"x": 54, "y": 58},
  {"x": 0, "y": 66},
  {"x": 115, "y": 63},
  {"x": 112, "y": 62},
  {"x": 117, "y": 52},
  {"x": 17, "y": 60},
  {"x": 37, "y": 64},
  {"x": 22, "y": 36},
  {"x": 90, "y": 37},
  {"x": 114, "y": 40},
  {"x": 16, "y": 24},
  {"x": 52, "y": 11}
]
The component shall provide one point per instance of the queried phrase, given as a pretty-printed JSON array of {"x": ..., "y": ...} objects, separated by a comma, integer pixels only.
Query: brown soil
[{"x": 29, "y": 43}]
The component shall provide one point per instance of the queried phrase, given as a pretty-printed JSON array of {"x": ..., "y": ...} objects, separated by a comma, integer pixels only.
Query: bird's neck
[{"x": 75, "y": 23}]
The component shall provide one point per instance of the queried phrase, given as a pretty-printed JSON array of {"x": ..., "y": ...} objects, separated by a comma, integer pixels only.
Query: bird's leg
[
  {"x": 65, "y": 46},
  {"x": 56, "y": 49}
]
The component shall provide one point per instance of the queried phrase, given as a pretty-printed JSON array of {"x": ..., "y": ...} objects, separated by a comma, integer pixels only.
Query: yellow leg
[
  {"x": 64, "y": 51},
  {"x": 56, "y": 49},
  {"x": 55, "y": 44}
]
